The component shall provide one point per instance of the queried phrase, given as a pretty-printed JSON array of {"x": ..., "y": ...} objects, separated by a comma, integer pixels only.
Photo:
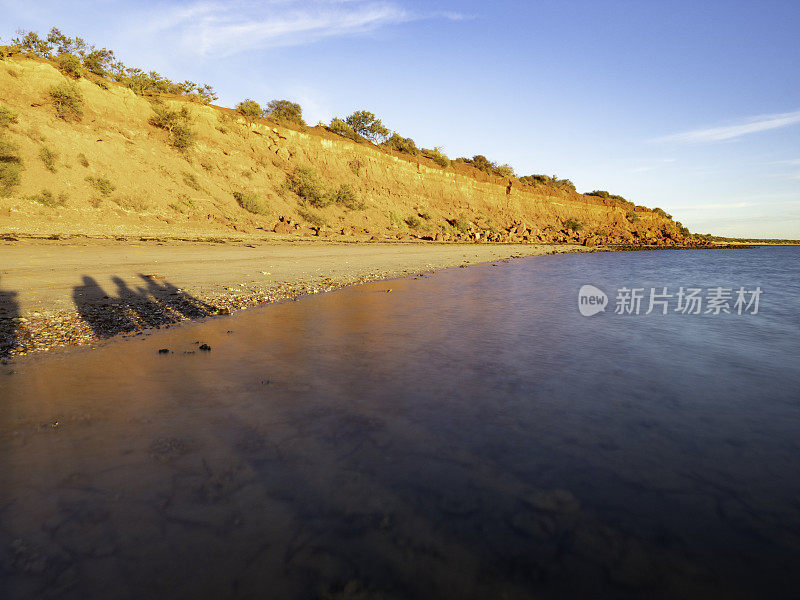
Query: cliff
[{"x": 114, "y": 173}]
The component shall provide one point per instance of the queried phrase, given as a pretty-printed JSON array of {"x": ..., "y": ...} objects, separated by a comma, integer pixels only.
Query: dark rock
[
  {"x": 164, "y": 351},
  {"x": 205, "y": 348}
]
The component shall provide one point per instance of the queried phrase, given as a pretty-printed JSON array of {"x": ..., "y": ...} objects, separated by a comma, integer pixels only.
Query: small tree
[
  {"x": 341, "y": 128},
  {"x": 367, "y": 125},
  {"x": 250, "y": 108},
  {"x": 284, "y": 110},
  {"x": 401, "y": 144},
  {"x": 69, "y": 64}
]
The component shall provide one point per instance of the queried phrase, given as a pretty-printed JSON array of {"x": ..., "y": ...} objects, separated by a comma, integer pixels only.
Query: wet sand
[{"x": 64, "y": 293}]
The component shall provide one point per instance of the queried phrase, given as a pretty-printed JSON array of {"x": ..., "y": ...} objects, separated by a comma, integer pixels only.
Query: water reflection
[{"x": 465, "y": 436}]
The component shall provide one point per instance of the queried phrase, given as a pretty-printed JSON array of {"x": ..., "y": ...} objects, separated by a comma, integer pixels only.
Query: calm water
[{"x": 468, "y": 435}]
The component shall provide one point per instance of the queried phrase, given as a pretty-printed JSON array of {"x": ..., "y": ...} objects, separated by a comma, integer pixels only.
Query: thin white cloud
[
  {"x": 730, "y": 132},
  {"x": 653, "y": 166},
  {"x": 224, "y": 29}
]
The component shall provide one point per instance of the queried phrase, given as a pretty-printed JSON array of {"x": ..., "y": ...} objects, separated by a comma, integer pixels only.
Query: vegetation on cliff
[{"x": 236, "y": 168}]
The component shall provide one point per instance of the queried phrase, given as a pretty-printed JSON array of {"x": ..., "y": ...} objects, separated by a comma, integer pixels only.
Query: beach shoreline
[
  {"x": 77, "y": 291},
  {"x": 62, "y": 293}
]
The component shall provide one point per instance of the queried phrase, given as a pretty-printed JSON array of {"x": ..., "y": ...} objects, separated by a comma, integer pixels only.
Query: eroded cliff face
[{"x": 154, "y": 189}]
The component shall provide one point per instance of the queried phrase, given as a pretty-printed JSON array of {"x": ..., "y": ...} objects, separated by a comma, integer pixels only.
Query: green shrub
[
  {"x": 250, "y": 203},
  {"x": 437, "y": 156},
  {"x": 549, "y": 181},
  {"x": 7, "y": 116},
  {"x": 82, "y": 160},
  {"x": 606, "y": 195},
  {"x": 341, "y": 128},
  {"x": 68, "y": 101},
  {"x": 303, "y": 182},
  {"x": 177, "y": 123},
  {"x": 395, "y": 222},
  {"x": 480, "y": 162},
  {"x": 662, "y": 213},
  {"x": 285, "y": 111},
  {"x": 367, "y": 125},
  {"x": 69, "y": 64},
  {"x": 10, "y": 166},
  {"x": 46, "y": 197},
  {"x": 48, "y": 157},
  {"x": 413, "y": 222},
  {"x": 345, "y": 196},
  {"x": 573, "y": 224},
  {"x": 460, "y": 223},
  {"x": 506, "y": 171},
  {"x": 250, "y": 108},
  {"x": 355, "y": 166},
  {"x": 401, "y": 144},
  {"x": 130, "y": 203},
  {"x": 102, "y": 185},
  {"x": 632, "y": 217}
]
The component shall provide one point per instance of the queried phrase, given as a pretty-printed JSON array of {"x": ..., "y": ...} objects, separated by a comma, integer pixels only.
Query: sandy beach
[{"x": 56, "y": 293}]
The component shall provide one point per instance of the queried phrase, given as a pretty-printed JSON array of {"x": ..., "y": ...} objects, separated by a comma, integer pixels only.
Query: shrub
[
  {"x": 437, "y": 156},
  {"x": 10, "y": 166},
  {"x": 102, "y": 185},
  {"x": 425, "y": 215},
  {"x": 7, "y": 116},
  {"x": 662, "y": 213},
  {"x": 506, "y": 171},
  {"x": 632, "y": 217},
  {"x": 341, "y": 128},
  {"x": 68, "y": 101},
  {"x": 573, "y": 224},
  {"x": 285, "y": 111},
  {"x": 549, "y": 181},
  {"x": 250, "y": 108},
  {"x": 413, "y": 222},
  {"x": 303, "y": 182},
  {"x": 48, "y": 157},
  {"x": 480, "y": 162},
  {"x": 46, "y": 197},
  {"x": 401, "y": 144},
  {"x": 177, "y": 123},
  {"x": 461, "y": 223},
  {"x": 69, "y": 64},
  {"x": 250, "y": 203},
  {"x": 82, "y": 160},
  {"x": 345, "y": 196},
  {"x": 355, "y": 166},
  {"x": 367, "y": 125},
  {"x": 132, "y": 204},
  {"x": 606, "y": 195},
  {"x": 395, "y": 222}
]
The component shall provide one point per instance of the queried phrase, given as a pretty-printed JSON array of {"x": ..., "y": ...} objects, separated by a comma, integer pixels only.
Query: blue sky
[{"x": 690, "y": 106}]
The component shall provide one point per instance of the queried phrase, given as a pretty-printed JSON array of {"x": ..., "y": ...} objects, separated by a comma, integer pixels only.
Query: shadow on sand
[
  {"x": 131, "y": 309},
  {"x": 9, "y": 310}
]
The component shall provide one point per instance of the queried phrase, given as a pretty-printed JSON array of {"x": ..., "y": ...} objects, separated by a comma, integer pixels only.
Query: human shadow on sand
[
  {"x": 9, "y": 310},
  {"x": 131, "y": 309}
]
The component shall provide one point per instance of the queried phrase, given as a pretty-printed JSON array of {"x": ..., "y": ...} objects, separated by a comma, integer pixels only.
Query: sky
[{"x": 691, "y": 106}]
